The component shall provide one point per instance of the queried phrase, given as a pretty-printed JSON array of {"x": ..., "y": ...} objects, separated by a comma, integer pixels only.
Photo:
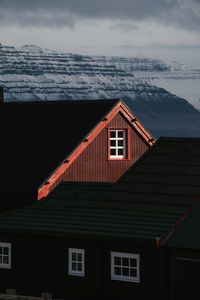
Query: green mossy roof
[
  {"x": 79, "y": 209},
  {"x": 144, "y": 204}
]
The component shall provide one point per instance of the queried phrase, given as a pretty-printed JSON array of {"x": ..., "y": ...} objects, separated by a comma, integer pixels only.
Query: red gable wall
[{"x": 93, "y": 164}]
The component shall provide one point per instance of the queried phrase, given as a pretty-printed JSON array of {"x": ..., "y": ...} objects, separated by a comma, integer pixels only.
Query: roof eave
[{"x": 83, "y": 237}]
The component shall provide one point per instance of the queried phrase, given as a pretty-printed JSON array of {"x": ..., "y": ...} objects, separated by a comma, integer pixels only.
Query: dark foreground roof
[
  {"x": 165, "y": 179},
  {"x": 40, "y": 135},
  {"x": 187, "y": 233},
  {"x": 80, "y": 210},
  {"x": 146, "y": 203}
]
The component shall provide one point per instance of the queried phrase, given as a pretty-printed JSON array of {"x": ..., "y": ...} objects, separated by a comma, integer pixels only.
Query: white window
[
  {"x": 5, "y": 255},
  {"x": 117, "y": 143},
  {"x": 76, "y": 262},
  {"x": 125, "y": 266}
]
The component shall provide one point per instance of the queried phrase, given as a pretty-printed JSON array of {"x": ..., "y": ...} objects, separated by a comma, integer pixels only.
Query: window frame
[
  {"x": 126, "y": 146},
  {"x": 129, "y": 278},
  {"x": 8, "y": 265},
  {"x": 76, "y": 272}
]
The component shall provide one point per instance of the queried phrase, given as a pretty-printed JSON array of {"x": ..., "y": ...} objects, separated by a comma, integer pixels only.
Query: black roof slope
[
  {"x": 187, "y": 234},
  {"x": 37, "y": 136},
  {"x": 166, "y": 179},
  {"x": 77, "y": 209},
  {"x": 144, "y": 204}
]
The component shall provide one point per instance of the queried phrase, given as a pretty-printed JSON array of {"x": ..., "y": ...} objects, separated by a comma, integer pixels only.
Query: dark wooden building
[
  {"x": 111, "y": 240},
  {"x": 44, "y": 143},
  {"x": 183, "y": 247},
  {"x": 78, "y": 244},
  {"x": 183, "y": 242},
  {"x": 137, "y": 236},
  {"x": 169, "y": 174}
]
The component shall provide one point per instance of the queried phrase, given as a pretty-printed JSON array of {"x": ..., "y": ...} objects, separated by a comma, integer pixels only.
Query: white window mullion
[
  {"x": 76, "y": 259},
  {"x": 125, "y": 266},
  {"x": 117, "y": 144},
  {"x": 5, "y": 255}
]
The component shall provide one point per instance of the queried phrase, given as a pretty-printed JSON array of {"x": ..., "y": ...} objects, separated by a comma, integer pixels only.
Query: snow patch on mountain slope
[
  {"x": 185, "y": 84},
  {"x": 33, "y": 73},
  {"x": 176, "y": 78}
]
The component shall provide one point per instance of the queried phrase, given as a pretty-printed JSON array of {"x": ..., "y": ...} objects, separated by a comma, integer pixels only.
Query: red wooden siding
[{"x": 93, "y": 164}]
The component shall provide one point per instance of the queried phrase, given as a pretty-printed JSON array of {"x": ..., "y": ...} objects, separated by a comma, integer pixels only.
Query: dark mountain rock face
[{"x": 33, "y": 73}]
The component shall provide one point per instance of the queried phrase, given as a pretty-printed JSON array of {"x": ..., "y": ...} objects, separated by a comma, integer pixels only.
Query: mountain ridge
[{"x": 31, "y": 73}]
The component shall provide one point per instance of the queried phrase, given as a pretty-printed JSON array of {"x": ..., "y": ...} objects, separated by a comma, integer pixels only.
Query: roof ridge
[
  {"x": 45, "y": 102},
  {"x": 178, "y": 139}
]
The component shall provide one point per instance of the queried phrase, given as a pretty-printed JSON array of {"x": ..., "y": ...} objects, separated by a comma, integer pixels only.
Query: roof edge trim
[{"x": 162, "y": 241}]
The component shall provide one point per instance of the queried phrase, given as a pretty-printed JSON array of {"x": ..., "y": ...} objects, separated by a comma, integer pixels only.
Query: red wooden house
[{"x": 44, "y": 143}]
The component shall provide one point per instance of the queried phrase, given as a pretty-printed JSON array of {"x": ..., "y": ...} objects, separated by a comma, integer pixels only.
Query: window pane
[
  {"x": 112, "y": 143},
  {"x": 120, "y": 151},
  {"x": 79, "y": 257},
  {"x": 117, "y": 271},
  {"x": 112, "y": 151},
  {"x": 5, "y": 260},
  {"x": 121, "y": 143},
  {"x": 73, "y": 256},
  {"x": 125, "y": 261},
  {"x": 125, "y": 271},
  {"x": 120, "y": 133},
  {"x": 133, "y": 272},
  {"x": 121, "y": 268},
  {"x": 133, "y": 262},
  {"x": 74, "y": 266},
  {"x": 79, "y": 266},
  {"x": 117, "y": 261},
  {"x": 5, "y": 250},
  {"x": 1, "y": 250},
  {"x": 0, "y": 259},
  {"x": 112, "y": 134}
]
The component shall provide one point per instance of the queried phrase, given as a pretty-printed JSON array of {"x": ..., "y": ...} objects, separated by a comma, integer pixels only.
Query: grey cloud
[
  {"x": 38, "y": 19},
  {"x": 182, "y": 13},
  {"x": 125, "y": 27}
]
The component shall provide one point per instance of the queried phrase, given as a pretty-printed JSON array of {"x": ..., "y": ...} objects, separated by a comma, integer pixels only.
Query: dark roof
[
  {"x": 166, "y": 179},
  {"x": 80, "y": 209},
  {"x": 187, "y": 233},
  {"x": 147, "y": 203},
  {"x": 40, "y": 135}
]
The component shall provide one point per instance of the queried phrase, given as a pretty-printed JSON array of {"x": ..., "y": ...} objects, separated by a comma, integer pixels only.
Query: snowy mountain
[
  {"x": 176, "y": 78},
  {"x": 33, "y": 73},
  {"x": 183, "y": 83}
]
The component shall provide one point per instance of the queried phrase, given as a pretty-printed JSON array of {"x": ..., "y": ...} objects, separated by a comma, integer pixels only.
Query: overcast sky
[{"x": 166, "y": 29}]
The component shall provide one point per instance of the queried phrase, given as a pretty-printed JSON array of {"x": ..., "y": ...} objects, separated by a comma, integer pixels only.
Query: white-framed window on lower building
[
  {"x": 125, "y": 266},
  {"x": 76, "y": 262},
  {"x": 5, "y": 255}
]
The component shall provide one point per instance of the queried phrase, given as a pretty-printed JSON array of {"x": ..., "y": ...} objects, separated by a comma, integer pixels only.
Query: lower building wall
[
  {"x": 41, "y": 265},
  {"x": 184, "y": 274}
]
